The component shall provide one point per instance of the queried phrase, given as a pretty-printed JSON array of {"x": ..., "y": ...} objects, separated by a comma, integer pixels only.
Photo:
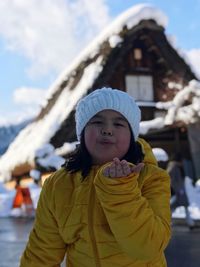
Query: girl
[{"x": 108, "y": 205}]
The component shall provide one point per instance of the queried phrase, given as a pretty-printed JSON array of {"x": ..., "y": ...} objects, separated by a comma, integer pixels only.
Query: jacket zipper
[{"x": 91, "y": 225}]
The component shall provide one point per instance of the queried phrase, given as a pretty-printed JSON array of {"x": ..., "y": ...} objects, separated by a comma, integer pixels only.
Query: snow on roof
[
  {"x": 187, "y": 114},
  {"x": 176, "y": 109},
  {"x": 129, "y": 18}
]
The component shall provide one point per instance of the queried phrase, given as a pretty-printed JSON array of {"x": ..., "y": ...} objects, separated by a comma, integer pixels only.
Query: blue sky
[{"x": 39, "y": 38}]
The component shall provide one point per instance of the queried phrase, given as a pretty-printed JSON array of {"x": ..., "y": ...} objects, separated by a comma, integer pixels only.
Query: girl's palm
[{"x": 122, "y": 168}]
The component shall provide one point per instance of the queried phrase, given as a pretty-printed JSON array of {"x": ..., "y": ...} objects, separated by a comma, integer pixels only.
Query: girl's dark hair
[{"x": 80, "y": 159}]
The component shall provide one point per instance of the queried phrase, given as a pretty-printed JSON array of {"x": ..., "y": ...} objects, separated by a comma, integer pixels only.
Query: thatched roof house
[{"x": 133, "y": 54}]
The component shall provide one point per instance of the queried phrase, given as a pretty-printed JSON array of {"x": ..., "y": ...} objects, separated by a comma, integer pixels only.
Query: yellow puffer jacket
[{"x": 101, "y": 222}]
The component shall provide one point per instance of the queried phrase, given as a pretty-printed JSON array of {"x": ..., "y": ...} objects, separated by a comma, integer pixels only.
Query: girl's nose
[{"x": 106, "y": 132}]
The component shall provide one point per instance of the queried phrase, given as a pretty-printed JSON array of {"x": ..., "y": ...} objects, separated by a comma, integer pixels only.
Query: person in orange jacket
[{"x": 109, "y": 204}]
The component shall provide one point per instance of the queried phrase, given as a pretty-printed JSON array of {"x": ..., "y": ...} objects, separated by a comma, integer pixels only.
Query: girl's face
[{"x": 107, "y": 135}]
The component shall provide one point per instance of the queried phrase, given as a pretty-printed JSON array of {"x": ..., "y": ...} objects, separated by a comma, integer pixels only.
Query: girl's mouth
[{"x": 106, "y": 142}]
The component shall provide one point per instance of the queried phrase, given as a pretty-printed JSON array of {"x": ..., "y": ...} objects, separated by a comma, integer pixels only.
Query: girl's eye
[
  {"x": 119, "y": 124},
  {"x": 96, "y": 122}
]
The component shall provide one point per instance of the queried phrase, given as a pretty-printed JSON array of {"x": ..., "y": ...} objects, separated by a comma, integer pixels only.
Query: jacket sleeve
[
  {"x": 138, "y": 218},
  {"x": 45, "y": 246}
]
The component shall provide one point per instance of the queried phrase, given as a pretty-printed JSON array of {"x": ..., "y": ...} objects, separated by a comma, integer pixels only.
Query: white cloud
[
  {"x": 50, "y": 33},
  {"x": 15, "y": 117},
  {"x": 29, "y": 96},
  {"x": 28, "y": 102},
  {"x": 194, "y": 58}
]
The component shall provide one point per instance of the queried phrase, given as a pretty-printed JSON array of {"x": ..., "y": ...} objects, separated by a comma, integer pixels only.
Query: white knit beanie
[{"x": 107, "y": 98}]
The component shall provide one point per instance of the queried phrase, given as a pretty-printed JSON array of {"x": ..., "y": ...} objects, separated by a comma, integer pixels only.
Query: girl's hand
[{"x": 121, "y": 169}]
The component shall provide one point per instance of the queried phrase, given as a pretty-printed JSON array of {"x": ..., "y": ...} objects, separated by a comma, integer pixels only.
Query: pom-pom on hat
[{"x": 107, "y": 98}]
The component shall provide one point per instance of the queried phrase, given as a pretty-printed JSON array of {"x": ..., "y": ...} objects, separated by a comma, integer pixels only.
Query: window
[
  {"x": 137, "y": 54},
  {"x": 140, "y": 87}
]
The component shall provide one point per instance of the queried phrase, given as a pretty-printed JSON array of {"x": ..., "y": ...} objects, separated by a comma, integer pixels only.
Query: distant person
[
  {"x": 177, "y": 174},
  {"x": 108, "y": 205}
]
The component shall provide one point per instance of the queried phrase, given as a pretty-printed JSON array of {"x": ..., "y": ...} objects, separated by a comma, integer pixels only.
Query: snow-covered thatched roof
[
  {"x": 68, "y": 89},
  {"x": 128, "y": 19}
]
